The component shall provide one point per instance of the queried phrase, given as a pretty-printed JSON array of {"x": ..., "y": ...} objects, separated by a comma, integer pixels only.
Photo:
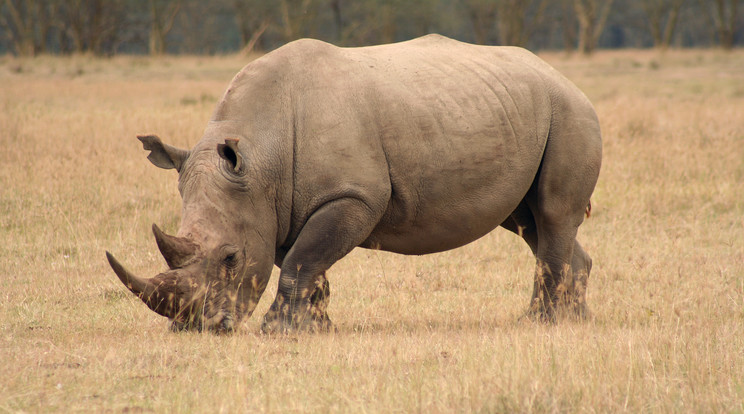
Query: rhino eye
[{"x": 230, "y": 260}]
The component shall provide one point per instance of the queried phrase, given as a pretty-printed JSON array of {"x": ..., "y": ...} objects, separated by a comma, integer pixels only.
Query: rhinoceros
[{"x": 414, "y": 147}]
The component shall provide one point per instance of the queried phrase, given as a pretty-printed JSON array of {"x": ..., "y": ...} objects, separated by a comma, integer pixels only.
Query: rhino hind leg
[
  {"x": 581, "y": 266},
  {"x": 559, "y": 289},
  {"x": 557, "y": 201}
]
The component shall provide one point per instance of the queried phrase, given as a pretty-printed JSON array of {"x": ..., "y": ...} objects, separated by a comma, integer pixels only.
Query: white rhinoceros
[{"x": 414, "y": 147}]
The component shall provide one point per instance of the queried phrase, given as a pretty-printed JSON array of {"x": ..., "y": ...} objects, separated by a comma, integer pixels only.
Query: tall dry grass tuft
[{"x": 437, "y": 333}]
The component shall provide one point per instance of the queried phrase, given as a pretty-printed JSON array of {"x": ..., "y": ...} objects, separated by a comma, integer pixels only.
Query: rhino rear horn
[
  {"x": 155, "y": 296},
  {"x": 177, "y": 251}
]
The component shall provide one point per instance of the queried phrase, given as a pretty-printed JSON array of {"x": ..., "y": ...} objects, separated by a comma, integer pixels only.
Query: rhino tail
[{"x": 589, "y": 209}]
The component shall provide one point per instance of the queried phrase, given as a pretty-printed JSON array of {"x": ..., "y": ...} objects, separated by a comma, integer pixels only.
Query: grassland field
[{"x": 436, "y": 334}]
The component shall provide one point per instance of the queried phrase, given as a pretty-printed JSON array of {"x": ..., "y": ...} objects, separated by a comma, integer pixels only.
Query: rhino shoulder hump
[{"x": 306, "y": 44}]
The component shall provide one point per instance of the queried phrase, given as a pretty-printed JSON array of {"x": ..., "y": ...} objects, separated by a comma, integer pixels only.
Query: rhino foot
[
  {"x": 304, "y": 315},
  {"x": 561, "y": 297},
  {"x": 553, "y": 311},
  {"x": 286, "y": 323}
]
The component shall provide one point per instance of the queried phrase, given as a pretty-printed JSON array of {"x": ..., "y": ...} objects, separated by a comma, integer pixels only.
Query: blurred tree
[
  {"x": 506, "y": 22},
  {"x": 662, "y": 19},
  {"x": 420, "y": 16},
  {"x": 27, "y": 24},
  {"x": 482, "y": 15},
  {"x": 30, "y": 27},
  {"x": 568, "y": 25},
  {"x": 297, "y": 18},
  {"x": 591, "y": 24},
  {"x": 336, "y": 8},
  {"x": 722, "y": 15},
  {"x": 90, "y": 25},
  {"x": 387, "y": 22},
  {"x": 627, "y": 26},
  {"x": 370, "y": 21},
  {"x": 517, "y": 21},
  {"x": 253, "y": 18},
  {"x": 162, "y": 16},
  {"x": 208, "y": 17}
]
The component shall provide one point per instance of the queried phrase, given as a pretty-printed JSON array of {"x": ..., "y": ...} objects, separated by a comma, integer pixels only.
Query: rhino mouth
[
  {"x": 224, "y": 324},
  {"x": 195, "y": 293},
  {"x": 214, "y": 313}
]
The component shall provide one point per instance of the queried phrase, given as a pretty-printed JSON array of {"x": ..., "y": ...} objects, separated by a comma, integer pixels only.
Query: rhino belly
[
  {"x": 448, "y": 208},
  {"x": 439, "y": 236}
]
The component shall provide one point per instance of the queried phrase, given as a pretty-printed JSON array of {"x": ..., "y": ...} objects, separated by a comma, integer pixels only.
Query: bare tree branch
[
  {"x": 590, "y": 27},
  {"x": 255, "y": 36}
]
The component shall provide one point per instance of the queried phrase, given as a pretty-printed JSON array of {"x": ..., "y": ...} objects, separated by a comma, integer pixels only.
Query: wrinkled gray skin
[{"x": 415, "y": 147}]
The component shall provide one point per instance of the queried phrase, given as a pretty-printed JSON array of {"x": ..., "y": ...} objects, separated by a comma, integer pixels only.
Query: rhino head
[{"x": 220, "y": 261}]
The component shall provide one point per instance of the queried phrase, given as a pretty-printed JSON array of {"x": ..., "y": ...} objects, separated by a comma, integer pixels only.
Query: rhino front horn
[
  {"x": 177, "y": 251},
  {"x": 144, "y": 289},
  {"x": 140, "y": 287}
]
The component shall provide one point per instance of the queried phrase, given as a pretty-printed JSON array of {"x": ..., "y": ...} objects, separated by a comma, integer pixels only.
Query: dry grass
[{"x": 432, "y": 334}]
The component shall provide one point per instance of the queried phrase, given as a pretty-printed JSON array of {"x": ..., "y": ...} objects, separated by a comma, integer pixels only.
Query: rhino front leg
[
  {"x": 319, "y": 300},
  {"x": 303, "y": 293},
  {"x": 294, "y": 312}
]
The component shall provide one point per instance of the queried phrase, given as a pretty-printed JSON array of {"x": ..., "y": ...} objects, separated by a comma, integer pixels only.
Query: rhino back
[{"x": 446, "y": 137}]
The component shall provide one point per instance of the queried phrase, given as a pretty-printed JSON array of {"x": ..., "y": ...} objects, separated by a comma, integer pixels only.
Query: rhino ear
[
  {"x": 163, "y": 155},
  {"x": 230, "y": 153}
]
